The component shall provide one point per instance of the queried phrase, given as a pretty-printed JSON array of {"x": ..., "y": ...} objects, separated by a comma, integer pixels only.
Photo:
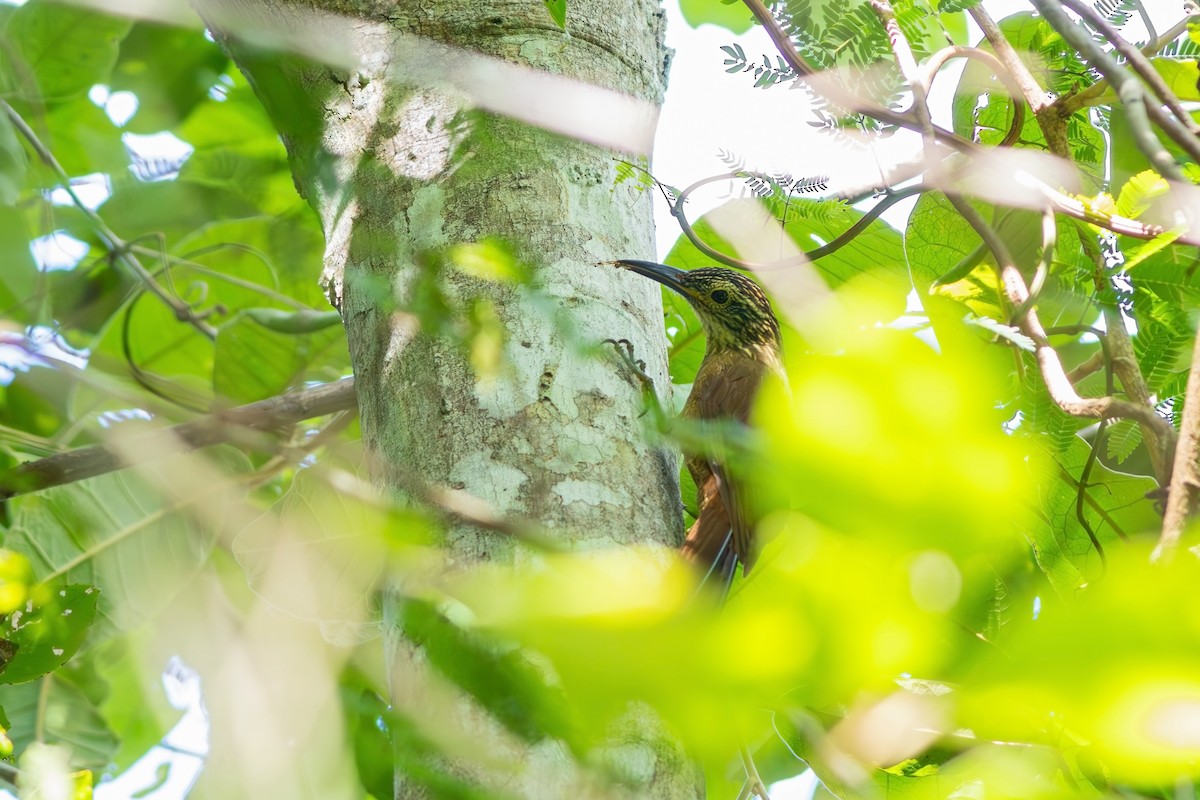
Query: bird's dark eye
[{"x": 720, "y": 296}]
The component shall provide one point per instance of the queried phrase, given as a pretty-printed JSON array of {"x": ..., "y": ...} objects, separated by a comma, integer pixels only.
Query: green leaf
[
  {"x": 56, "y": 711},
  {"x": 49, "y": 632},
  {"x": 490, "y": 260},
  {"x": 68, "y": 49},
  {"x": 19, "y": 297},
  {"x": 303, "y": 321},
  {"x": 874, "y": 257},
  {"x": 1115, "y": 506},
  {"x": 733, "y": 17},
  {"x": 134, "y": 702},
  {"x": 119, "y": 532},
  {"x": 336, "y": 543},
  {"x": 1182, "y": 77},
  {"x": 254, "y": 362},
  {"x": 1139, "y": 192},
  {"x": 1007, "y": 332},
  {"x": 83, "y": 140},
  {"x": 365, "y": 714},
  {"x": 171, "y": 70},
  {"x": 13, "y": 164},
  {"x": 558, "y": 12},
  {"x": 936, "y": 240},
  {"x": 503, "y": 679},
  {"x": 685, "y": 335}
]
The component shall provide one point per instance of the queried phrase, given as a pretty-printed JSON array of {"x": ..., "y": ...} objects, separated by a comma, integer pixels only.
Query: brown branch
[
  {"x": 1184, "y": 493},
  {"x": 1006, "y": 75},
  {"x": 1091, "y": 366},
  {"x": 1062, "y": 391},
  {"x": 830, "y": 89},
  {"x": 1140, "y": 64},
  {"x": 229, "y": 425},
  {"x": 1129, "y": 90},
  {"x": 1049, "y": 118},
  {"x": 677, "y": 211},
  {"x": 1069, "y": 104}
]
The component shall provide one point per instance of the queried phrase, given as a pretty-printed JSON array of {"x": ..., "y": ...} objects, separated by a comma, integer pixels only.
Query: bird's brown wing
[{"x": 723, "y": 513}]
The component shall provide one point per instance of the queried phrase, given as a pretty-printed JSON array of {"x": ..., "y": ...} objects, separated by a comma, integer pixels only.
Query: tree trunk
[{"x": 397, "y": 174}]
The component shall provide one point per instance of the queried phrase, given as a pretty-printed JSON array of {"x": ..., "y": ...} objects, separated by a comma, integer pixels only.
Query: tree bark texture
[{"x": 397, "y": 173}]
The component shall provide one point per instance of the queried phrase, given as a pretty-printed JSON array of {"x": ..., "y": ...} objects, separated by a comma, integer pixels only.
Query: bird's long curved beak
[{"x": 670, "y": 277}]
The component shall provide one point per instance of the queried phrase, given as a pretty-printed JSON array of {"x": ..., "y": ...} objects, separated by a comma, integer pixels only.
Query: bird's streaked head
[{"x": 733, "y": 309}]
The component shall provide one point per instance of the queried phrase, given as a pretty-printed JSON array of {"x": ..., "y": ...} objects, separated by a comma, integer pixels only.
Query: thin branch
[
  {"x": 938, "y": 59},
  {"x": 272, "y": 414},
  {"x": 116, "y": 246},
  {"x": 1140, "y": 64},
  {"x": 1030, "y": 89},
  {"x": 1129, "y": 90},
  {"x": 1050, "y": 121},
  {"x": 677, "y": 211},
  {"x": 1184, "y": 493},
  {"x": 1069, "y": 104},
  {"x": 1062, "y": 391},
  {"x": 1089, "y": 367},
  {"x": 753, "y": 780},
  {"x": 852, "y": 103}
]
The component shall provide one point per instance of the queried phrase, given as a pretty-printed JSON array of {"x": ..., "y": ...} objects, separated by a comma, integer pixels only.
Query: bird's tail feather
[{"x": 722, "y": 567}]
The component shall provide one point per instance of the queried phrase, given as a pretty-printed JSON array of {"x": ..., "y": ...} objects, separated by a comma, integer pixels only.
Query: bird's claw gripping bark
[{"x": 624, "y": 349}]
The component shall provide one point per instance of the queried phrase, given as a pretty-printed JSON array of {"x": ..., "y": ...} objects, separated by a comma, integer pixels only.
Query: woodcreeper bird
[{"x": 742, "y": 348}]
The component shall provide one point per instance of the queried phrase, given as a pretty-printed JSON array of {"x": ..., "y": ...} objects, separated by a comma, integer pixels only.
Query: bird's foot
[
  {"x": 636, "y": 366},
  {"x": 624, "y": 349}
]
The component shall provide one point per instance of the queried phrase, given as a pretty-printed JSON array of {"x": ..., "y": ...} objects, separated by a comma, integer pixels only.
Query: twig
[
  {"x": 116, "y": 246},
  {"x": 1062, "y": 391},
  {"x": 1129, "y": 90},
  {"x": 1069, "y": 104},
  {"x": 1184, "y": 492},
  {"x": 856, "y": 105},
  {"x": 753, "y": 779},
  {"x": 677, "y": 211},
  {"x": 938, "y": 59},
  {"x": 1142, "y": 66},
  {"x": 266, "y": 415},
  {"x": 1093, "y": 365}
]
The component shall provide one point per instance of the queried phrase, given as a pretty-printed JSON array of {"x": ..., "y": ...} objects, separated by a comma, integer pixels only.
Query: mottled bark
[{"x": 398, "y": 172}]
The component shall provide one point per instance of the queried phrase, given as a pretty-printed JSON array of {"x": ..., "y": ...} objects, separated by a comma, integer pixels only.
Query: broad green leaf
[
  {"x": 68, "y": 49},
  {"x": 558, "y": 12},
  {"x": 1182, "y": 76},
  {"x": 1115, "y": 507},
  {"x": 936, "y": 239},
  {"x": 172, "y": 208},
  {"x": 49, "y": 632},
  {"x": 733, "y": 17},
  {"x": 13, "y": 164},
  {"x": 63, "y": 714},
  {"x": 334, "y": 546},
  {"x": 685, "y": 336},
  {"x": 119, "y": 533},
  {"x": 254, "y": 362},
  {"x": 171, "y": 70},
  {"x": 19, "y": 279},
  {"x": 83, "y": 140},
  {"x": 365, "y": 713},
  {"x": 134, "y": 702}
]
